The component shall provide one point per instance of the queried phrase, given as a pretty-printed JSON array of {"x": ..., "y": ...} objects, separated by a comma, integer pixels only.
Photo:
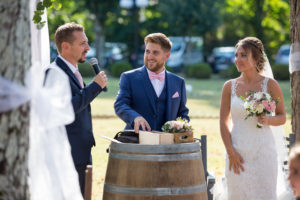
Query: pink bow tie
[{"x": 160, "y": 77}]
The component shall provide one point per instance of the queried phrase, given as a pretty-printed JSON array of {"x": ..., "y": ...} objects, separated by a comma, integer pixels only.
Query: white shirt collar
[
  {"x": 158, "y": 73},
  {"x": 72, "y": 67}
]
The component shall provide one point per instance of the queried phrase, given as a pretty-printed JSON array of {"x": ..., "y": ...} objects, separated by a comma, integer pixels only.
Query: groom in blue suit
[
  {"x": 72, "y": 45},
  {"x": 150, "y": 96}
]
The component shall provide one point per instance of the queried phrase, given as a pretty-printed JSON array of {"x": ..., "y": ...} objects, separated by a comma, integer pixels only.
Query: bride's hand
[
  {"x": 263, "y": 119},
  {"x": 235, "y": 162}
]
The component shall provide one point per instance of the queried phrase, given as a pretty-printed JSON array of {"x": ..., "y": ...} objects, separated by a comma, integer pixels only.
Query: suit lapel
[
  {"x": 149, "y": 90},
  {"x": 66, "y": 69},
  {"x": 169, "y": 95}
]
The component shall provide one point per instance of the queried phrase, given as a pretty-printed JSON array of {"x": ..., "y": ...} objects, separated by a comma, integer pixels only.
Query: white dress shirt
[
  {"x": 72, "y": 67},
  {"x": 157, "y": 84}
]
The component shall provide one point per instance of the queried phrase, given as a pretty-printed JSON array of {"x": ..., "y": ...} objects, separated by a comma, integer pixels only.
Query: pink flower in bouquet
[
  {"x": 266, "y": 105},
  {"x": 273, "y": 106},
  {"x": 178, "y": 125}
]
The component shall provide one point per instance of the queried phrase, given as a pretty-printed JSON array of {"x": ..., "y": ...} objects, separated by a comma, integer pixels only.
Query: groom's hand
[{"x": 140, "y": 121}]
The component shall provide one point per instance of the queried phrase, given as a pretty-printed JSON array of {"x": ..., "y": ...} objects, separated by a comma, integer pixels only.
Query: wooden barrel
[{"x": 160, "y": 172}]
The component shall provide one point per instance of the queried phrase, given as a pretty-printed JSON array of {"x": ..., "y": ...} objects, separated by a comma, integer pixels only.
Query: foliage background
[{"x": 219, "y": 22}]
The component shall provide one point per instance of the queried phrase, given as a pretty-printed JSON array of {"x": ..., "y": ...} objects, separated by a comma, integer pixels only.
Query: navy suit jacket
[
  {"x": 134, "y": 98},
  {"x": 80, "y": 132}
]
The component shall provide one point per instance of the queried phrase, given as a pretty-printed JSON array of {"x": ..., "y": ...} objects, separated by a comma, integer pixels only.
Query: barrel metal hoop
[
  {"x": 155, "y": 191},
  {"x": 155, "y": 158},
  {"x": 165, "y": 148}
]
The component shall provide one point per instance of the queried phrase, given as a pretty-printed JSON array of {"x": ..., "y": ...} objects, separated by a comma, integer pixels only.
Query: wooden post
[
  {"x": 88, "y": 182},
  {"x": 204, "y": 153}
]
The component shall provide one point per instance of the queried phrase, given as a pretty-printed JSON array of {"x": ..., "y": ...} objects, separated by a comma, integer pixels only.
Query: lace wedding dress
[{"x": 257, "y": 148}]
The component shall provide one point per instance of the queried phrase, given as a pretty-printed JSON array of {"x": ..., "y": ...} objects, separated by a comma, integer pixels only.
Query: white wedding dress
[{"x": 257, "y": 148}]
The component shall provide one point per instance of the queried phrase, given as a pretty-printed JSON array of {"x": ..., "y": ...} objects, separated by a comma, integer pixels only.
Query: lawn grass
[{"x": 203, "y": 102}]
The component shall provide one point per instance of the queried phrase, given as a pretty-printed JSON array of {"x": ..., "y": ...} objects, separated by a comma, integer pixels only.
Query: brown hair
[
  {"x": 64, "y": 33},
  {"x": 159, "y": 38},
  {"x": 256, "y": 47}
]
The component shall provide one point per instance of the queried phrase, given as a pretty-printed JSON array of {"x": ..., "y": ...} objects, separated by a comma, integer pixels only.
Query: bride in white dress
[{"x": 251, "y": 161}]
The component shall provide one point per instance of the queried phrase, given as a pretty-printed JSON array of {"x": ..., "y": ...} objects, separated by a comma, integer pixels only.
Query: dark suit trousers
[{"x": 81, "y": 175}]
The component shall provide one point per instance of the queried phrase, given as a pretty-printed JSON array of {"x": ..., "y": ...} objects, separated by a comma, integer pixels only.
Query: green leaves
[
  {"x": 40, "y": 7},
  {"x": 48, "y": 3}
]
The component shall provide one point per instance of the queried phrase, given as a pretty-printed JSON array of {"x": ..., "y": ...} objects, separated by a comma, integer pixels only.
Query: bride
[{"x": 251, "y": 164}]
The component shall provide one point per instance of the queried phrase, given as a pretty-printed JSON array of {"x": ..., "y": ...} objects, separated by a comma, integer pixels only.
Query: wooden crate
[{"x": 185, "y": 137}]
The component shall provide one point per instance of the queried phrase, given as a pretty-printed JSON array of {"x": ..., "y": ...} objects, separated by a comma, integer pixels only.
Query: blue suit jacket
[
  {"x": 80, "y": 131},
  {"x": 133, "y": 99}
]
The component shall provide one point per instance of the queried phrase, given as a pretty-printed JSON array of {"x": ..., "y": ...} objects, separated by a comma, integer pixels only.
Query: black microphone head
[{"x": 93, "y": 61}]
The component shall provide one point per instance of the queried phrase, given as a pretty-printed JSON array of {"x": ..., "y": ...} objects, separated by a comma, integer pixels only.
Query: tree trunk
[
  {"x": 15, "y": 57},
  {"x": 295, "y": 77},
  {"x": 258, "y": 18},
  {"x": 100, "y": 40}
]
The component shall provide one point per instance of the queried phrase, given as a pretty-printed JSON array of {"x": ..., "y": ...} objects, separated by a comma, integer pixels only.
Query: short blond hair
[
  {"x": 159, "y": 38},
  {"x": 64, "y": 33}
]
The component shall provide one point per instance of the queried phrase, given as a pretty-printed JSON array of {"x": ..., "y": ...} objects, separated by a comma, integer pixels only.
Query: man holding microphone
[{"x": 72, "y": 46}]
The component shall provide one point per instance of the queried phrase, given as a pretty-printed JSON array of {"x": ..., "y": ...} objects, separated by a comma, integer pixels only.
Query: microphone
[{"x": 95, "y": 65}]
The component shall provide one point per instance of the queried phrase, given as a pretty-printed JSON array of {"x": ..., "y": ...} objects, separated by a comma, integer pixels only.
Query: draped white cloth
[
  {"x": 52, "y": 174},
  {"x": 51, "y": 170},
  {"x": 294, "y": 58}
]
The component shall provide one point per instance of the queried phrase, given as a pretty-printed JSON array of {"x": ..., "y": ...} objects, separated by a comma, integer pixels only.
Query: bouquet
[
  {"x": 178, "y": 126},
  {"x": 259, "y": 103}
]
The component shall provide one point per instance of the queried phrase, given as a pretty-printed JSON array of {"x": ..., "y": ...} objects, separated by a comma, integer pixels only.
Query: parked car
[
  {"x": 221, "y": 58},
  {"x": 185, "y": 51},
  {"x": 114, "y": 52},
  {"x": 282, "y": 56},
  {"x": 53, "y": 51}
]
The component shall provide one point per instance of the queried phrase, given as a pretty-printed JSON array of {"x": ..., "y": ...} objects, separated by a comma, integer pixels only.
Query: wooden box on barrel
[
  {"x": 156, "y": 137},
  {"x": 160, "y": 172},
  {"x": 185, "y": 137}
]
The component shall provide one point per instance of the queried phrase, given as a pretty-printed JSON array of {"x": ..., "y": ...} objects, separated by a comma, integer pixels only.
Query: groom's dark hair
[
  {"x": 64, "y": 33},
  {"x": 159, "y": 38}
]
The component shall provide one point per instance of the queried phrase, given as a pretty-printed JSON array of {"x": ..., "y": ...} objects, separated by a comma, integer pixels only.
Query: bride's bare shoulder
[
  {"x": 227, "y": 85},
  {"x": 273, "y": 84}
]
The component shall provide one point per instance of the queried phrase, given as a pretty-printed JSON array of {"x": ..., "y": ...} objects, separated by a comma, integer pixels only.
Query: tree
[
  {"x": 101, "y": 10},
  {"x": 15, "y": 57},
  {"x": 265, "y": 19},
  {"x": 295, "y": 77},
  {"x": 191, "y": 18}
]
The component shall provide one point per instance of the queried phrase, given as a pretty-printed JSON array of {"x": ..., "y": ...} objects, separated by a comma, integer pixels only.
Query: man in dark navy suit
[
  {"x": 149, "y": 96},
  {"x": 72, "y": 46}
]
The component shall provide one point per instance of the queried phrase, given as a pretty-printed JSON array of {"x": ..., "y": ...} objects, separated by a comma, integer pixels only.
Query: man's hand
[
  {"x": 101, "y": 79},
  {"x": 140, "y": 121}
]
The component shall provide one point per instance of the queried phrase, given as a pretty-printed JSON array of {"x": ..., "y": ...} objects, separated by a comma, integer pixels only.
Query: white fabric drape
[
  {"x": 294, "y": 58},
  {"x": 52, "y": 174}
]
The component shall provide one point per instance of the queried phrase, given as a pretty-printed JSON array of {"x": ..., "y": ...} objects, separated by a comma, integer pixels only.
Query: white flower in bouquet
[
  {"x": 268, "y": 96},
  {"x": 259, "y": 103},
  {"x": 259, "y": 108},
  {"x": 258, "y": 95}
]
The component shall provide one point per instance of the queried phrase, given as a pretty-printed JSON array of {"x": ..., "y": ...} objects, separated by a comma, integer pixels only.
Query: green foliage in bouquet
[{"x": 178, "y": 126}]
